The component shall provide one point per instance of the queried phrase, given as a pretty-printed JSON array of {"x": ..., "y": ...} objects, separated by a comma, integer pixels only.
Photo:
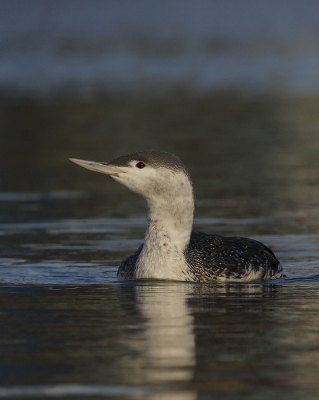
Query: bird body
[{"x": 171, "y": 250}]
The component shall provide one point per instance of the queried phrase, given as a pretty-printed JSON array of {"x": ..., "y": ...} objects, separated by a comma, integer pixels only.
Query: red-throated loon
[{"x": 171, "y": 250}]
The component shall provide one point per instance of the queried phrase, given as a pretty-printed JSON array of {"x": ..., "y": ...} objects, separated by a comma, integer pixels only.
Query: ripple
[{"x": 72, "y": 390}]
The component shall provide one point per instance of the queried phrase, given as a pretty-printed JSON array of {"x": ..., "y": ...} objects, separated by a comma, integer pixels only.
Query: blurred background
[{"x": 230, "y": 86}]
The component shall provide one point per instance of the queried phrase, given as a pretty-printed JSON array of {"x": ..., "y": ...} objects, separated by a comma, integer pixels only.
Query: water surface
[{"x": 69, "y": 329}]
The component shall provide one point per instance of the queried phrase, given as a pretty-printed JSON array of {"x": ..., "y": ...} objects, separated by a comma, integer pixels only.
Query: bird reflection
[
  {"x": 171, "y": 312},
  {"x": 170, "y": 332},
  {"x": 169, "y": 336}
]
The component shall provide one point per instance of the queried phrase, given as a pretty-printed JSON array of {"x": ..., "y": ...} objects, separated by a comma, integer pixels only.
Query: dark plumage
[{"x": 219, "y": 257}]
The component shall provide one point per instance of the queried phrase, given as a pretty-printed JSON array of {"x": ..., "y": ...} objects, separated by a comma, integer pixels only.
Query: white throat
[{"x": 170, "y": 224}]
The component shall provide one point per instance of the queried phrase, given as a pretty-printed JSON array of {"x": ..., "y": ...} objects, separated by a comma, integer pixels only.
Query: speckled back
[{"x": 214, "y": 257}]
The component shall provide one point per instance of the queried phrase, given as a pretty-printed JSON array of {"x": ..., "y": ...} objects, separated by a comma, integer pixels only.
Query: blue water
[{"x": 82, "y": 48}]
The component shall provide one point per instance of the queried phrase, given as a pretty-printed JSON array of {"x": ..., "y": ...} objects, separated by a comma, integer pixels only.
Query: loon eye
[{"x": 140, "y": 165}]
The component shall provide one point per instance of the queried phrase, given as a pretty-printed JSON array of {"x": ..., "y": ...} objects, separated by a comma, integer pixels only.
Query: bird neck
[
  {"x": 170, "y": 223},
  {"x": 169, "y": 228}
]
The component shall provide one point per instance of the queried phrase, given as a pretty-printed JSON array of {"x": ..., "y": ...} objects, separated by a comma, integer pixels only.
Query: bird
[{"x": 171, "y": 250}]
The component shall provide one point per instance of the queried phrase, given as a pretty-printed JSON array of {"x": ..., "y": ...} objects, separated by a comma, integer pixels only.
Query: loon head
[{"x": 152, "y": 174}]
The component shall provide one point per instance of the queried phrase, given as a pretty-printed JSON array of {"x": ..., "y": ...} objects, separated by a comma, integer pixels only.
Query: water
[
  {"x": 81, "y": 49},
  {"x": 71, "y": 330},
  {"x": 160, "y": 340}
]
